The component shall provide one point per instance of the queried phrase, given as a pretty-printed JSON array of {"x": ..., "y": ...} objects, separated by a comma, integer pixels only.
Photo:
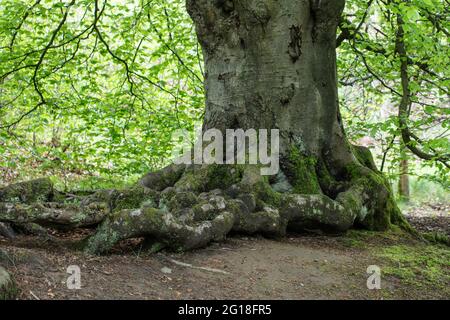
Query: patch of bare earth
[
  {"x": 297, "y": 267},
  {"x": 430, "y": 217}
]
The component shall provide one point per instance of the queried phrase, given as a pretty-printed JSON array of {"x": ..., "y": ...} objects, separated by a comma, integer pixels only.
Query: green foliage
[
  {"x": 114, "y": 89},
  {"x": 437, "y": 237},
  {"x": 93, "y": 89},
  {"x": 426, "y": 191},
  {"x": 371, "y": 88},
  {"x": 302, "y": 171}
]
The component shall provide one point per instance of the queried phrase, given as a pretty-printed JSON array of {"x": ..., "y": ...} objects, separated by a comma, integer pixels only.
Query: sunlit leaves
[
  {"x": 103, "y": 119},
  {"x": 370, "y": 76},
  {"x": 112, "y": 105}
]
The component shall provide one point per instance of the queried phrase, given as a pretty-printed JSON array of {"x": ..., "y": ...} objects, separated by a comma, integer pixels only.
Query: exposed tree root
[
  {"x": 53, "y": 214},
  {"x": 39, "y": 190},
  {"x": 7, "y": 231},
  {"x": 187, "y": 207}
]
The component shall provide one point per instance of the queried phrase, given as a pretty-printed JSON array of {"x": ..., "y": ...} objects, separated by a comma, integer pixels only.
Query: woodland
[{"x": 94, "y": 92}]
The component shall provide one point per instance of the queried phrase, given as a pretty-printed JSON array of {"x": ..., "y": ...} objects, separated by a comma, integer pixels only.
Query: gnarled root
[
  {"x": 39, "y": 190},
  {"x": 167, "y": 229},
  {"x": 187, "y": 207},
  {"x": 194, "y": 211},
  {"x": 53, "y": 214},
  {"x": 7, "y": 231}
]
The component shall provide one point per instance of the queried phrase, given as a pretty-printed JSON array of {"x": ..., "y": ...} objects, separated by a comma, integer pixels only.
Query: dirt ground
[{"x": 297, "y": 267}]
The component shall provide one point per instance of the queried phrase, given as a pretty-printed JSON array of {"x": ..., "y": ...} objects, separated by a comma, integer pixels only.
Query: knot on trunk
[
  {"x": 295, "y": 46},
  {"x": 226, "y": 5}
]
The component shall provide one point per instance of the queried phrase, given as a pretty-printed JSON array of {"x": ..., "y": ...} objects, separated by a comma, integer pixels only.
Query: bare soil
[{"x": 296, "y": 267}]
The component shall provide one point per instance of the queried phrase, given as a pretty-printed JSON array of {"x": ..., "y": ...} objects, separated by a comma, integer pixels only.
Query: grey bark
[{"x": 272, "y": 64}]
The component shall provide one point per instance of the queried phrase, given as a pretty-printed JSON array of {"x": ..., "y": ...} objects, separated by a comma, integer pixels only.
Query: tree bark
[
  {"x": 272, "y": 64},
  {"x": 403, "y": 182}
]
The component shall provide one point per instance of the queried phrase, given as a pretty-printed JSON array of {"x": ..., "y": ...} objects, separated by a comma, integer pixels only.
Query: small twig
[
  {"x": 34, "y": 296},
  {"x": 188, "y": 265}
]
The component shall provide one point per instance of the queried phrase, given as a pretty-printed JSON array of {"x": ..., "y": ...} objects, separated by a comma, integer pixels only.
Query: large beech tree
[{"x": 269, "y": 64}]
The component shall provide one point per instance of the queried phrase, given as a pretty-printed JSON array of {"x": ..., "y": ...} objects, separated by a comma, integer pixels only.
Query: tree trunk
[
  {"x": 403, "y": 183},
  {"x": 270, "y": 64}
]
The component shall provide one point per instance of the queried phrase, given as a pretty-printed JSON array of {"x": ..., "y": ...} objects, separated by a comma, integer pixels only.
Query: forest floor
[{"x": 296, "y": 267}]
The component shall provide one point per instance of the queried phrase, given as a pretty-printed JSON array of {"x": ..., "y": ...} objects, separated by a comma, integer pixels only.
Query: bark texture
[
  {"x": 403, "y": 182},
  {"x": 270, "y": 64}
]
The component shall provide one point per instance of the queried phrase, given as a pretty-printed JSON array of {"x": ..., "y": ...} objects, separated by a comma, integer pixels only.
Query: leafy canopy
[{"x": 96, "y": 87}]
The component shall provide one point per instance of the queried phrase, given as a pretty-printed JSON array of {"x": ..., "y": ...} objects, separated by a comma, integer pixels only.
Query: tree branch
[{"x": 405, "y": 102}]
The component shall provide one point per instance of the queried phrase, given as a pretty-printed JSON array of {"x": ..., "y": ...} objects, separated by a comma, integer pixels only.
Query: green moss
[
  {"x": 194, "y": 179},
  {"x": 39, "y": 190},
  {"x": 181, "y": 200},
  {"x": 351, "y": 200},
  {"x": 301, "y": 171},
  {"x": 8, "y": 288},
  {"x": 209, "y": 177},
  {"x": 200, "y": 214},
  {"x": 360, "y": 238},
  {"x": 384, "y": 211},
  {"x": 264, "y": 194},
  {"x": 327, "y": 182},
  {"x": 153, "y": 217},
  {"x": 353, "y": 243},
  {"x": 395, "y": 235},
  {"x": 365, "y": 157},
  {"x": 172, "y": 174},
  {"x": 103, "y": 240},
  {"x": 437, "y": 238},
  {"x": 415, "y": 264},
  {"x": 222, "y": 176},
  {"x": 259, "y": 186},
  {"x": 134, "y": 197}
]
